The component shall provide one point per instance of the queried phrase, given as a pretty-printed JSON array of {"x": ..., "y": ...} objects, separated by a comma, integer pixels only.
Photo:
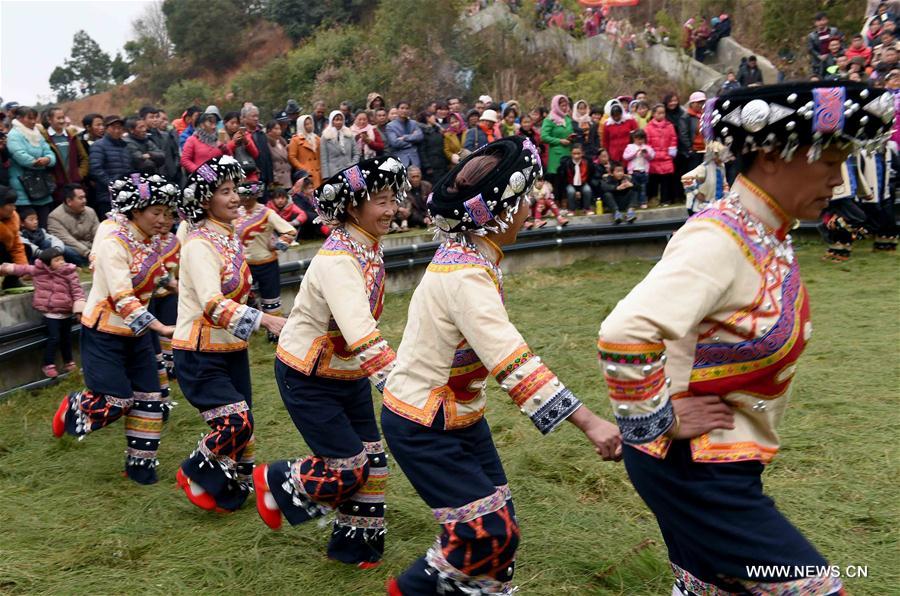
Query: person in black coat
[
  {"x": 250, "y": 119},
  {"x": 109, "y": 159},
  {"x": 431, "y": 149}
]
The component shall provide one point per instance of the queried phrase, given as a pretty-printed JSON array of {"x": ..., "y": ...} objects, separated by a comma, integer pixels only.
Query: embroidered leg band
[
  {"x": 475, "y": 553},
  {"x": 359, "y": 528},
  {"x": 311, "y": 486},
  {"x": 213, "y": 465},
  {"x": 143, "y": 428},
  {"x": 89, "y": 411}
]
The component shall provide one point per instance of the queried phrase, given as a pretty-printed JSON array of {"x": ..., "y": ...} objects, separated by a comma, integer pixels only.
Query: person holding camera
[{"x": 206, "y": 143}]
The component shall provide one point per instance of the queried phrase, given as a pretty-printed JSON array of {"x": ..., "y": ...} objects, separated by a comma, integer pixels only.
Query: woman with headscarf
[
  {"x": 458, "y": 333},
  {"x": 211, "y": 335},
  {"x": 120, "y": 368},
  {"x": 303, "y": 151},
  {"x": 31, "y": 159},
  {"x": 617, "y": 132},
  {"x": 368, "y": 139},
  {"x": 453, "y": 138},
  {"x": 338, "y": 149},
  {"x": 206, "y": 143},
  {"x": 581, "y": 120},
  {"x": 558, "y": 133}
]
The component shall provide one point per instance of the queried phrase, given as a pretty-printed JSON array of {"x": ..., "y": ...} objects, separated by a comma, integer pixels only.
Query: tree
[
  {"x": 61, "y": 81},
  {"x": 196, "y": 29},
  {"x": 119, "y": 70},
  {"x": 150, "y": 53},
  {"x": 89, "y": 64},
  {"x": 299, "y": 18}
]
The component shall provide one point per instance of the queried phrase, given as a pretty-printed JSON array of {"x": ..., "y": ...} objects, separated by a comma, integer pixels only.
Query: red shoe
[
  {"x": 368, "y": 564},
  {"x": 50, "y": 371},
  {"x": 271, "y": 517},
  {"x": 59, "y": 419},
  {"x": 69, "y": 366},
  {"x": 393, "y": 587},
  {"x": 204, "y": 500}
]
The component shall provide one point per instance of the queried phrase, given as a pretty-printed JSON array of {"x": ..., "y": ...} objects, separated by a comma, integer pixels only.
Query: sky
[{"x": 36, "y": 37}]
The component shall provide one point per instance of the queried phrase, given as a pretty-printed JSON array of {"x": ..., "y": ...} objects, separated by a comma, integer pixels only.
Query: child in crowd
[
  {"x": 58, "y": 296},
  {"x": 638, "y": 154},
  {"x": 302, "y": 196},
  {"x": 35, "y": 238},
  {"x": 731, "y": 83},
  {"x": 619, "y": 193},
  {"x": 286, "y": 209},
  {"x": 707, "y": 182},
  {"x": 541, "y": 203}
]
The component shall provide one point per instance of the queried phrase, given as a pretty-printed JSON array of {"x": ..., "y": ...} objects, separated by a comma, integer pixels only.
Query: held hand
[
  {"x": 565, "y": 142},
  {"x": 602, "y": 434},
  {"x": 6, "y": 268},
  {"x": 273, "y": 323},
  {"x": 162, "y": 330},
  {"x": 700, "y": 414}
]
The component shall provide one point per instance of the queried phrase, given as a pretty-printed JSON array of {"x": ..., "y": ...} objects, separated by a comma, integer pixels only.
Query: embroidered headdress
[
  {"x": 490, "y": 206},
  {"x": 786, "y": 117},
  {"x": 202, "y": 184},
  {"x": 356, "y": 184},
  {"x": 137, "y": 191}
]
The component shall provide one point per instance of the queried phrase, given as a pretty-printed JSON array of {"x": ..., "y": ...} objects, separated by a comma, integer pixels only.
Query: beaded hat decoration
[
  {"x": 357, "y": 183},
  {"x": 137, "y": 191},
  {"x": 251, "y": 189},
  {"x": 202, "y": 184},
  {"x": 793, "y": 115},
  {"x": 490, "y": 207}
]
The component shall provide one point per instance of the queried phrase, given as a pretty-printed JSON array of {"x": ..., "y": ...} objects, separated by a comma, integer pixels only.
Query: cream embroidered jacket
[
  {"x": 456, "y": 334},
  {"x": 213, "y": 285},
  {"x": 723, "y": 313},
  {"x": 127, "y": 270},
  {"x": 334, "y": 320},
  {"x": 255, "y": 229}
]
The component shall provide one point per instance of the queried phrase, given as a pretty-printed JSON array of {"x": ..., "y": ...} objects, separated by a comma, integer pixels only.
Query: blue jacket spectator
[
  {"x": 29, "y": 152},
  {"x": 110, "y": 159},
  {"x": 404, "y": 136}
]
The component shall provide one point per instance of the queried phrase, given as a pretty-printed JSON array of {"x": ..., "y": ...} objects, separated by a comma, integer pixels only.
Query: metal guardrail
[{"x": 27, "y": 337}]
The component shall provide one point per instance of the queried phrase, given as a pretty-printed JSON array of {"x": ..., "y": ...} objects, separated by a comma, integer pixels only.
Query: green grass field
[{"x": 71, "y": 524}]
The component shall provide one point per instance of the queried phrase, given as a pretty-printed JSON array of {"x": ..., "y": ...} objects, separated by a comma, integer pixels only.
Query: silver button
[{"x": 623, "y": 408}]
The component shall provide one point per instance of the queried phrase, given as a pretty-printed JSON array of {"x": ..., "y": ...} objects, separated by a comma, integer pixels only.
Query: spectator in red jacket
[
  {"x": 58, "y": 296},
  {"x": 617, "y": 132},
  {"x": 663, "y": 139},
  {"x": 281, "y": 204},
  {"x": 858, "y": 47},
  {"x": 206, "y": 143}
]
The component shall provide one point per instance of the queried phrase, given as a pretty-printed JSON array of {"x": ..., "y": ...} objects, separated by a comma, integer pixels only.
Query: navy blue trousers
[
  {"x": 348, "y": 469},
  {"x": 459, "y": 475},
  {"x": 218, "y": 385},
  {"x": 121, "y": 380},
  {"x": 715, "y": 518}
]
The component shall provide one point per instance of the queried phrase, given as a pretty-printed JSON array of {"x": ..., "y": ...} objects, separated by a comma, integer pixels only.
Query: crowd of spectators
[{"x": 870, "y": 55}]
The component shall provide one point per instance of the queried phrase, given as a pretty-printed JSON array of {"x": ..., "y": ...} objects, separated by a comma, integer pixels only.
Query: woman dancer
[
  {"x": 700, "y": 381},
  {"x": 458, "y": 333},
  {"x": 210, "y": 341},
  {"x": 257, "y": 227},
  {"x": 118, "y": 359},
  {"x": 328, "y": 352}
]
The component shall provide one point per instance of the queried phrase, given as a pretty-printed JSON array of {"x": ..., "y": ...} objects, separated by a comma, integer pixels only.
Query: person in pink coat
[
  {"x": 205, "y": 144},
  {"x": 59, "y": 297},
  {"x": 663, "y": 139}
]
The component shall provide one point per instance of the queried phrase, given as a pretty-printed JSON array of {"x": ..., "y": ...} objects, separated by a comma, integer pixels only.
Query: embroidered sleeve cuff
[
  {"x": 376, "y": 358},
  {"x": 245, "y": 322},
  {"x": 535, "y": 389},
  {"x": 644, "y": 428},
  {"x": 139, "y": 321}
]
